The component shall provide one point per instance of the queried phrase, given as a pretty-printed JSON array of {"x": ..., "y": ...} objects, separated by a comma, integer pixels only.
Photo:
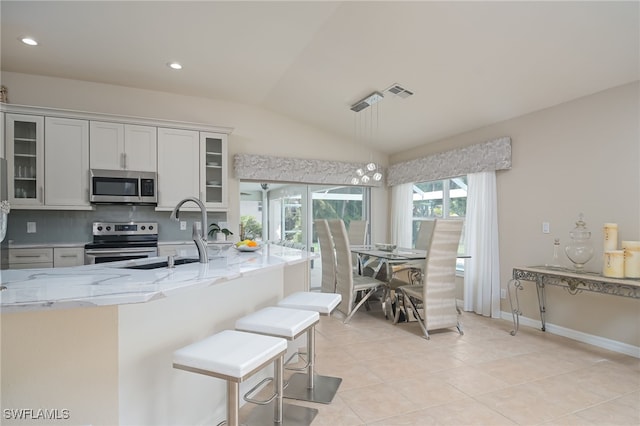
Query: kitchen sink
[{"x": 164, "y": 264}]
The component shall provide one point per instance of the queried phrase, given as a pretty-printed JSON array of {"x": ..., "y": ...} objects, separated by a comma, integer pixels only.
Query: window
[{"x": 440, "y": 199}]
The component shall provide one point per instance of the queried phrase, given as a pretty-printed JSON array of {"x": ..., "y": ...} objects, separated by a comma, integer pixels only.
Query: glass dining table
[{"x": 381, "y": 262}]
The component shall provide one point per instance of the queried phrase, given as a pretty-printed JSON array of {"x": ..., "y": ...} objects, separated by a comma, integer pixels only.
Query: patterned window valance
[
  {"x": 482, "y": 157},
  {"x": 283, "y": 169}
]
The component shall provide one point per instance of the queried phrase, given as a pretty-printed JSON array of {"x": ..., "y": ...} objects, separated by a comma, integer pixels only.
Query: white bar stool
[
  {"x": 235, "y": 356},
  {"x": 288, "y": 324},
  {"x": 310, "y": 386}
]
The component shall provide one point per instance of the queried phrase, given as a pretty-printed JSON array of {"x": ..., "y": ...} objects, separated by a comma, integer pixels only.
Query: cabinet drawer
[
  {"x": 68, "y": 256},
  {"x": 31, "y": 255},
  {"x": 30, "y": 265}
]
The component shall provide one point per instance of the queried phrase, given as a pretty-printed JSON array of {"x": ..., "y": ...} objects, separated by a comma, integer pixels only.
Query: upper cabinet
[
  {"x": 52, "y": 175},
  {"x": 2, "y": 149},
  {"x": 117, "y": 146},
  {"x": 25, "y": 159},
  {"x": 66, "y": 162},
  {"x": 178, "y": 166},
  {"x": 213, "y": 169},
  {"x": 49, "y": 154}
]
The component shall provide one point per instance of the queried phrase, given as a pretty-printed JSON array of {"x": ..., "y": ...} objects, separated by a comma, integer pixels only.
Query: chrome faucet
[{"x": 199, "y": 236}]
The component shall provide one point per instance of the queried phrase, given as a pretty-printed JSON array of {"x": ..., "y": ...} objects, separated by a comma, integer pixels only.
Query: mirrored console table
[{"x": 572, "y": 281}]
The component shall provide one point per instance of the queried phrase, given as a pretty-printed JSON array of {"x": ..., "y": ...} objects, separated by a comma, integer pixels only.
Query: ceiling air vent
[{"x": 398, "y": 90}]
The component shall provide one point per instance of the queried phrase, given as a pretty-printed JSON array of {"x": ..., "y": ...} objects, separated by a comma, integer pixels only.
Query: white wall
[
  {"x": 578, "y": 157},
  {"x": 256, "y": 131}
]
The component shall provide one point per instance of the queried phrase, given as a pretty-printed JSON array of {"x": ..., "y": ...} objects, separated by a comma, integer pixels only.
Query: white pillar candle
[
  {"x": 610, "y": 236},
  {"x": 631, "y": 258},
  {"x": 613, "y": 264}
]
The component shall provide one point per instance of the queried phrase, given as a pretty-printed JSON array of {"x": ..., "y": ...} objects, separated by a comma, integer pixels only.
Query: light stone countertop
[{"x": 111, "y": 284}]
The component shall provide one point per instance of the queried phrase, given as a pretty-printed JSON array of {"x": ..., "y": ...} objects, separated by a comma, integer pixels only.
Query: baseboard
[{"x": 601, "y": 342}]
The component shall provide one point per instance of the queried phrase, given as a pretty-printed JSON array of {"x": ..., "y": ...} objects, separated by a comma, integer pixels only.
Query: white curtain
[
  {"x": 482, "y": 270},
  {"x": 402, "y": 214}
]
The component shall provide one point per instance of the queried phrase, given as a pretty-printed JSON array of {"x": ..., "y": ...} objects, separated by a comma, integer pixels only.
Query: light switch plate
[
  {"x": 183, "y": 225},
  {"x": 545, "y": 227},
  {"x": 31, "y": 227}
]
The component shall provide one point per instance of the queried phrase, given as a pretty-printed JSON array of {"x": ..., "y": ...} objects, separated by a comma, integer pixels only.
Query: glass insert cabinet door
[
  {"x": 213, "y": 149},
  {"x": 25, "y": 155}
]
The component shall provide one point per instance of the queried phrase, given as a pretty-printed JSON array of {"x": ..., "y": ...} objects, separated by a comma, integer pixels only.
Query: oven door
[{"x": 95, "y": 256}]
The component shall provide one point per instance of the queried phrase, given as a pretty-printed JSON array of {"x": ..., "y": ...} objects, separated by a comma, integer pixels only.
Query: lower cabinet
[
  {"x": 68, "y": 256},
  {"x": 176, "y": 249},
  {"x": 48, "y": 257},
  {"x": 27, "y": 258}
]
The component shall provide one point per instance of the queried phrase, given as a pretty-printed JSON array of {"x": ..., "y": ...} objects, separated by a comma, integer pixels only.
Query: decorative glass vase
[{"x": 580, "y": 248}]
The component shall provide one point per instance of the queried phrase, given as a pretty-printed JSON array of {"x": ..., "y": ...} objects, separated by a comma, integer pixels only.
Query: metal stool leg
[
  {"x": 310, "y": 386},
  {"x": 233, "y": 403}
]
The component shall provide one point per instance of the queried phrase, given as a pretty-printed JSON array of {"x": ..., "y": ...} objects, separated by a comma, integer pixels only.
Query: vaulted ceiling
[{"x": 468, "y": 64}]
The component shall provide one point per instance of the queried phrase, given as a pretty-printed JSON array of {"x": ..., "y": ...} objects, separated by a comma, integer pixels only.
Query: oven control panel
[{"x": 125, "y": 228}]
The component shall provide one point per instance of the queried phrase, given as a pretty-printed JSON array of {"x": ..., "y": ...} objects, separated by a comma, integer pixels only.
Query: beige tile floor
[{"x": 392, "y": 376}]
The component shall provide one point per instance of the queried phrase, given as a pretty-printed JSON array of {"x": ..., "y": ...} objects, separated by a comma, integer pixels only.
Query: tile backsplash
[{"x": 53, "y": 226}]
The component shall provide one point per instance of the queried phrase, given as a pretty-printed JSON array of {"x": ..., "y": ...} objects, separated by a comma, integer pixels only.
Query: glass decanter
[
  {"x": 580, "y": 248},
  {"x": 555, "y": 260}
]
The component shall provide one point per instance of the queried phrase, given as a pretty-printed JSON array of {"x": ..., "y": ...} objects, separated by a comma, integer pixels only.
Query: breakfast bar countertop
[{"x": 114, "y": 284}]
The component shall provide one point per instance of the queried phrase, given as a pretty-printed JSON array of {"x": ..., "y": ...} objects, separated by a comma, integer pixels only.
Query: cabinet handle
[
  {"x": 69, "y": 255},
  {"x": 41, "y": 199},
  {"x": 124, "y": 160},
  {"x": 35, "y": 256}
]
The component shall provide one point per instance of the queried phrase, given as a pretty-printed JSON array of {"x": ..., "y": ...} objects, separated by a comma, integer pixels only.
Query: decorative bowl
[
  {"x": 247, "y": 248},
  {"x": 385, "y": 247}
]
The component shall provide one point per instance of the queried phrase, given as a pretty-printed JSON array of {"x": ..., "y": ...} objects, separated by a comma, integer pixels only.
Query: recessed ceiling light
[
  {"x": 174, "y": 65},
  {"x": 29, "y": 41}
]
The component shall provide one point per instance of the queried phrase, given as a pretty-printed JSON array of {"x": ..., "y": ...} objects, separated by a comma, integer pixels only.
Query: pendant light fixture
[{"x": 365, "y": 125}]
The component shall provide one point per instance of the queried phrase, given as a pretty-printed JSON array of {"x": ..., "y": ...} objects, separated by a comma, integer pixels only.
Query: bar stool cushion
[
  {"x": 230, "y": 353},
  {"x": 323, "y": 303},
  {"x": 276, "y": 321}
]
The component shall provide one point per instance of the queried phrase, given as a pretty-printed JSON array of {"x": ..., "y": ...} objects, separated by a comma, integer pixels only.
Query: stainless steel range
[{"x": 113, "y": 241}]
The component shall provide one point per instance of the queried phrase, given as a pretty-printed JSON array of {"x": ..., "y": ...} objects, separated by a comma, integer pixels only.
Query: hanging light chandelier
[{"x": 369, "y": 171}]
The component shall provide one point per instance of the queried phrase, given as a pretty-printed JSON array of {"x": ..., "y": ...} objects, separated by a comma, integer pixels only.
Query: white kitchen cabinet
[
  {"x": 25, "y": 159},
  {"x": 117, "y": 146},
  {"x": 178, "y": 167},
  {"x": 68, "y": 256},
  {"x": 2, "y": 148},
  {"x": 26, "y": 258},
  {"x": 213, "y": 169},
  {"x": 66, "y": 155},
  {"x": 182, "y": 250}
]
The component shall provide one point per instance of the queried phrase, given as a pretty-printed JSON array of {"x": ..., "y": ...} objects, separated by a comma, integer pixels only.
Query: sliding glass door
[{"x": 284, "y": 213}]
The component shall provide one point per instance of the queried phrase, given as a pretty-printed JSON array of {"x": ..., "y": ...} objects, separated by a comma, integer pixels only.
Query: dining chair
[
  {"x": 355, "y": 290},
  {"x": 327, "y": 255},
  {"x": 357, "y": 232},
  {"x": 408, "y": 273},
  {"x": 435, "y": 296}
]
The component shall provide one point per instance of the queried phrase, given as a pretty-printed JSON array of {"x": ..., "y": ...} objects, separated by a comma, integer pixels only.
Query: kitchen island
[{"x": 93, "y": 344}]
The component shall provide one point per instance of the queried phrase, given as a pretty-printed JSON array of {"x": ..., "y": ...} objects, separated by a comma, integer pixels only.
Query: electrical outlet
[
  {"x": 503, "y": 293},
  {"x": 545, "y": 227},
  {"x": 183, "y": 225},
  {"x": 31, "y": 227},
  {"x": 198, "y": 225}
]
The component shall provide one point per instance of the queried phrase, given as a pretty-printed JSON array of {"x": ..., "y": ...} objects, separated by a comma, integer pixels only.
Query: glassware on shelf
[{"x": 580, "y": 248}]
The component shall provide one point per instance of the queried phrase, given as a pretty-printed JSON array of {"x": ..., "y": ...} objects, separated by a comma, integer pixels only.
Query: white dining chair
[
  {"x": 327, "y": 256},
  {"x": 410, "y": 272},
  {"x": 348, "y": 285},
  {"x": 357, "y": 232},
  {"x": 435, "y": 296}
]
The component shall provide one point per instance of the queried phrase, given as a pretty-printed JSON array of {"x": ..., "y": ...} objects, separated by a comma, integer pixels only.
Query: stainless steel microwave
[{"x": 123, "y": 186}]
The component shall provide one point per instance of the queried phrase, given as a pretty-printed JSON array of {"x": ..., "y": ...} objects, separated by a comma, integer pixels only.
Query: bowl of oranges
[{"x": 247, "y": 245}]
